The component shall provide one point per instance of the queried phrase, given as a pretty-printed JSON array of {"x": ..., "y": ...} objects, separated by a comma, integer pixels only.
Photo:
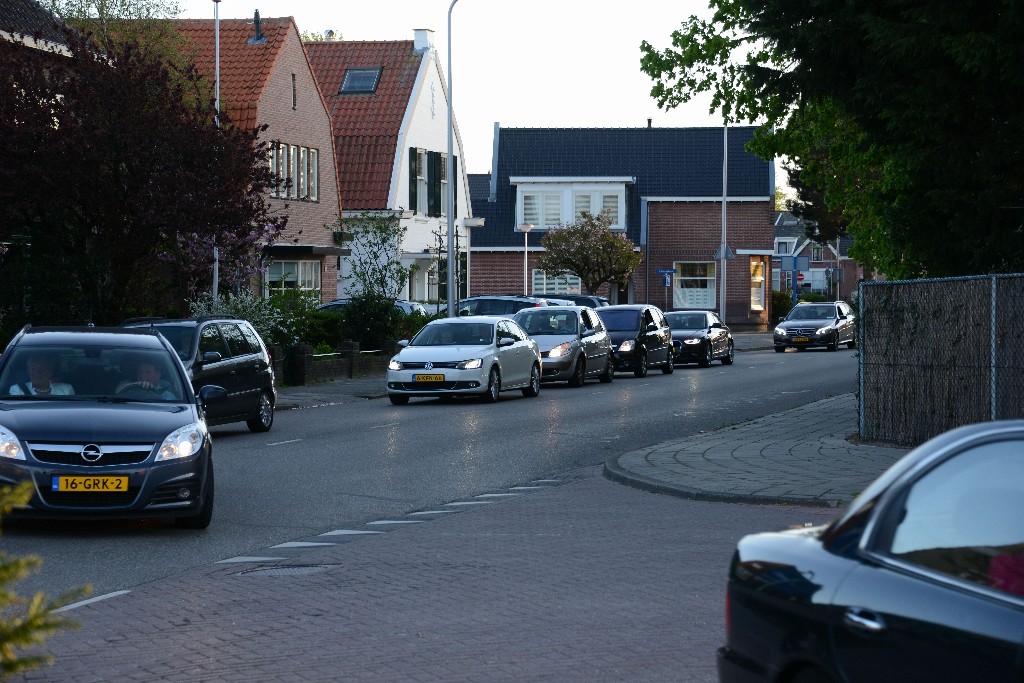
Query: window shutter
[
  {"x": 433, "y": 183},
  {"x": 455, "y": 186},
  {"x": 413, "y": 176}
]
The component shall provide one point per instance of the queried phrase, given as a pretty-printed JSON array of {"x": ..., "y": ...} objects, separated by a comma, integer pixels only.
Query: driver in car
[{"x": 147, "y": 376}]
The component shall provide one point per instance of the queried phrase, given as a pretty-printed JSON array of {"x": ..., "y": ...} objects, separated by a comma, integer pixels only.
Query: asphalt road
[{"x": 332, "y": 466}]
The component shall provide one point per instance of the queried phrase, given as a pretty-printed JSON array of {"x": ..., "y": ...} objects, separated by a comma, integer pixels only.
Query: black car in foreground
[
  {"x": 810, "y": 325},
  {"x": 700, "y": 337},
  {"x": 640, "y": 337},
  {"x": 104, "y": 423},
  {"x": 920, "y": 579},
  {"x": 227, "y": 352}
]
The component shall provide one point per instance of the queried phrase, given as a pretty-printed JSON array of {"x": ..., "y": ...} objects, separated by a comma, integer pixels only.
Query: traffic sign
[
  {"x": 666, "y": 279},
  {"x": 799, "y": 277},
  {"x": 665, "y": 271}
]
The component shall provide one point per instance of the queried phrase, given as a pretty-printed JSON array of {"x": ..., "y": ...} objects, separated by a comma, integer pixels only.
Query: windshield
[
  {"x": 621, "y": 321},
  {"x": 180, "y": 337},
  {"x": 687, "y": 321},
  {"x": 812, "y": 313},
  {"x": 89, "y": 371},
  {"x": 455, "y": 334},
  {"x": 540, "y": 321}
]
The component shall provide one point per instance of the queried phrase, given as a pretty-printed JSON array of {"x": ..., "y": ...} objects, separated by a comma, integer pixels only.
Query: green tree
[
  {"x": 923, "y": 157},
  {"x": 25, "y": 623},
  {"x": 588, "y": 249},
  {"x": 375, "y": 262}
]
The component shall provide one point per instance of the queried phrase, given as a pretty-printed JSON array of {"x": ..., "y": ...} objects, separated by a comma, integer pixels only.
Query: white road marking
[
  {"x": 281, "y": 443},
  {"x": 349, "y": 532},
  {"x": 471, "y": 502},
  {"x": 245, "y": 558},
  {"x": 498, "y": 495},
  {"x": 83, "y": 603},
  {"x": 300, "y": 544},
  {"x": 397, "y": 521},
  {"x": 432, "y": 512}
]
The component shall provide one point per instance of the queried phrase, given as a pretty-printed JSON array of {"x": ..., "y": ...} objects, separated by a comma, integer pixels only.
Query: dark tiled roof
[
  {"x": 365, "y": 125},
  {"x": 479, "y": 190},
  {"x": 666, "y": 162},
  {"x": 788, "y": 225},
  {"x": 244, "y": 68},
  {"x": 28, "y": 18}
]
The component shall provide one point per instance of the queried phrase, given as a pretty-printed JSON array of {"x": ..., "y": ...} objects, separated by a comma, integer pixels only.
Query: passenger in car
[{"x": 40, "y": 379}]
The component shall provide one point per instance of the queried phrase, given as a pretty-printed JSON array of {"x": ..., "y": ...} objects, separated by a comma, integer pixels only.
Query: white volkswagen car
[{"x": 478, "y": 355}]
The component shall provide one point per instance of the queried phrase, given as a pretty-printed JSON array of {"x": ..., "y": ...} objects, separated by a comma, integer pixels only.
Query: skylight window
[{"x": 360, "y": 80}]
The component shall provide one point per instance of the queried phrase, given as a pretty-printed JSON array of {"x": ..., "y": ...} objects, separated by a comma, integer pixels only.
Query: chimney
[
  {"x": 424, "y": 39},
  {"x": 257, "y": 38},
  {"x": 648, "y": 123}
]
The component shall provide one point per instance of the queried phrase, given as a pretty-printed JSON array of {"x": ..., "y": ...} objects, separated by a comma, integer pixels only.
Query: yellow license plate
[
  {"x": 90, "y": 484},
  {"x": 428, "y": 378},
  {"x": 801, "y": 339}
]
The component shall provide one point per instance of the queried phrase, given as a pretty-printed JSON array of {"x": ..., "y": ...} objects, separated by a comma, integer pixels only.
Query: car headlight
[
  {"x": 395, "y": 364},
  {"x": 471, "y": 364},
  {"x": 560, "y": 350},
  {"x": 780, "y": 332},
  {"x": 824, "y": 330},
  {"x": 10, "y": 447},
  {"x": 691, "y": 341},
  {"x": 182, "y": 442},
  {"x": 627, "y": 346}
]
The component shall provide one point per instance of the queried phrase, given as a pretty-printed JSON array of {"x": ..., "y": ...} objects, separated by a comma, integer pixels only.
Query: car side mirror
[
  {"x": 212, "y": 393},
  {"x": 782, "y": 318},
  {"x": 403, "y": 343},
  {"x": 207, "y": 357},
  {"x": 506, "y": 341},
  {"x": 716, "y": 325},
  {"x": 652, "y": 326}
]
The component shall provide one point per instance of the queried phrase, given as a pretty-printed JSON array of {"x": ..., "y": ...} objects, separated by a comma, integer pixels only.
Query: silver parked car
[
  {"x": 573, "y": 343},
  {"x": 478, "y": 355}
]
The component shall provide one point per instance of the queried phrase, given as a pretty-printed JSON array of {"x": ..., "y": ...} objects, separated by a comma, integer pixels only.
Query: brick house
[
  {"x": 663, "y": 188},
  {"x": 830, "y": 270},
  {"x": 266, "y": 79},
  {"x": 389, "y": 112}
]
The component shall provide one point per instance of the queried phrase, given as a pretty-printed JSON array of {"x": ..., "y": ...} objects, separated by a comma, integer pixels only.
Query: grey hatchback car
[
  {"x": 810, "y": 325},
  {"x": 573, "y": 342}
]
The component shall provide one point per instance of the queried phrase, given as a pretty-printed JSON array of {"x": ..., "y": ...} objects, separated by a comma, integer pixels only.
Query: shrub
[
  {"x": 25, "y": 623},
  {"x": 782, "y": 303},
  {"x": 370, "y": 319},
  {"x": 813, "y": 297},
  {"x": 258, "y": 311}
]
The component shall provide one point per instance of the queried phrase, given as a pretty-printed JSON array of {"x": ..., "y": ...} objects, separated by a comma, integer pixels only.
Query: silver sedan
[
  {"x": 471, "y": 355},
  {"x": 573, "y": 343}
]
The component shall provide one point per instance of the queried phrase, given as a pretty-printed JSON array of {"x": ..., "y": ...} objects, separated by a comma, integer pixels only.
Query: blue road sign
[{"x": 665, "y": 271}]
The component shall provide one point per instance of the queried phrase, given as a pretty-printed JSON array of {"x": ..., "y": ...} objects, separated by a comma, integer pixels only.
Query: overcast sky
[{"x": 528, "y": 63}]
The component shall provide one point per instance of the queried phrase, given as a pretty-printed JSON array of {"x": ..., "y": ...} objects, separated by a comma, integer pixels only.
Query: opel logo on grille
[
  {"x": 428, "y": 366},
  {"x": 92, "y": 453}
]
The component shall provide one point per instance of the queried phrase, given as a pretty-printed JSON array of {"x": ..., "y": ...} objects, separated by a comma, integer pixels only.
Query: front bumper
[
  {"x": 558, "y": 369},
  {"x": 687, "y": 353},
  {"x": 624, "y": 361},
  {"x": 800, "y": 340},
  {"x": 154, "y": 489},
  {"x": 454, "y": 382}
]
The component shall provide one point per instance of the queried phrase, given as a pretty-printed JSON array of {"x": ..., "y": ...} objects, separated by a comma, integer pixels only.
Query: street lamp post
[
  {"x": 451, "y": 181},
  {"x": 216, "y": 116},
  {"x": 525, "y": 228}
]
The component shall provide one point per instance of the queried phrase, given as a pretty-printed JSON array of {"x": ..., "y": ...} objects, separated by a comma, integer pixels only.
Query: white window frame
[
  {"x": 444, "y": 184},
  {"x": 421, "y": 182},
  {"x": 684, "y": 296},
  {"x": 543, "y": 283},
  {"x": 292, "y": 274},
  {"x": 571, "y": 196},
  {"x": 817, "y": 253},
  {"x": 757, "y": 288},
  {"x": 314, "y": 175}
]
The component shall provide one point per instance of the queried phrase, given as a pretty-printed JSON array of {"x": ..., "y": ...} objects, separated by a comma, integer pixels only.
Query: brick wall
[{"x": 308, "y": 125}]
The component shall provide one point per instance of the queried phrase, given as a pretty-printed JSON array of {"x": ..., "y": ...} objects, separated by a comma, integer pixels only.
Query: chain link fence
[{"x": 937, "y": 354}]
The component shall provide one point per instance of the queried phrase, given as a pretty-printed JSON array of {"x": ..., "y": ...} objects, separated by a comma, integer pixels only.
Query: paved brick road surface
[{"x": 580, "y": 579}]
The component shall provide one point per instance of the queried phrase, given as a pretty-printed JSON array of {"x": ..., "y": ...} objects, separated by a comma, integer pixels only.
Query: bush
[
  {"x": 371, "y": 319},
  {"x": 782, "y": 303},
  {"x": 258, "y": 311},
  {"x": 813, "y": 297},
  {"x": 19, "y": 629}
]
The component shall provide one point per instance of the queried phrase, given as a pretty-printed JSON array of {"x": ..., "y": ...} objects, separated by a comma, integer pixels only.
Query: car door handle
[{"x": 863, "y": 620}]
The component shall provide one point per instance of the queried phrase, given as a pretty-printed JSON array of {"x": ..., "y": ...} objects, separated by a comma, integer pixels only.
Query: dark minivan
[
  {"x": 227, "y": 352},
  {"x": 640, "y": 337}
]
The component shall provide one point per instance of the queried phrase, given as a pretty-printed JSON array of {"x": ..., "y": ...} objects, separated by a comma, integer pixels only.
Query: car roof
[
  {"x": 146, "y": 322},
  {"x": 142, "y": 338},
  {"x": 624, "y": 307},
  {"x": 553, "y": 309},
  {"x": 469, "y": 319}
]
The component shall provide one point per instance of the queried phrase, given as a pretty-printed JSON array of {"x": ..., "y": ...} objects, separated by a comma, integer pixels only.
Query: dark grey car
[
  {"x": 573, "y": 342},
  {"x": 810, "y": 325},
  {"x": 227, "y": 352}
]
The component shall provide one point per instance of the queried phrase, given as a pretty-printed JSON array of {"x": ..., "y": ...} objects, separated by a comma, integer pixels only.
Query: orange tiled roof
[
  {"x": 365, "y": 125},
  {"x": 244, "y": 68}
]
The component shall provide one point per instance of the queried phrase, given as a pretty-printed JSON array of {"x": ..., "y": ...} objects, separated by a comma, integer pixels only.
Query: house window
[
  {"x": 694, "y": 285},
  {"x": 817, "y": 253},
  {"x": 283, "y": 275},
  {"x": 783, "y": 247},
  {"x": 360, "y": 80},
  {"x": 297, "y": 167},
  {"x": 295, "y": 93},
  {"x": 421, "y": 182},
  {"x": 443, "y": 172},
  {"x": 757, "y": 285},
  {"x": 542, "y": 209},
  {"x": 544, "y": 282},
  {"x": 596, "y": 203}
]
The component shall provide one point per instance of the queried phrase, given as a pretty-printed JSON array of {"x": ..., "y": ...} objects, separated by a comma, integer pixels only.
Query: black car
[
  {"x": 585, "y": 300},
  {"x": 816, "y": 325},
  {"x": 920, "y": 579},
  {"x": 104, "y": 423},
  {"x": 226, "y": 352},
  {"x": 700, "y": 337},
  {"x": 641, "y": 337}
]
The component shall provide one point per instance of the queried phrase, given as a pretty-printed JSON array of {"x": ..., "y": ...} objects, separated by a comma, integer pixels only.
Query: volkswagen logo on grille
[
  {"x": 92, "y": 453},
  {"x": 428, "y": 365}
]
